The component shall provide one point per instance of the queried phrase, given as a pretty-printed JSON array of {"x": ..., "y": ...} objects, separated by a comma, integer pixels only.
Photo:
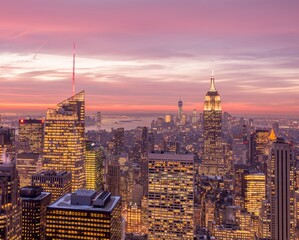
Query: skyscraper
[
  {"x": 264, "y": 221},
  {"x": 30, "y": 146},
  {"x": 113, "y": 177},
  {"x": 255, "y": 192},
  {"x": 141, "y": 153},
  {"x": 118, "y": 141},
  {"x": 259, "y": 149},
  {"x": 56, "y": 182},
  {"x": 94, "y": 166},
  {"x": 133, "y": 221},
  {"x": 170, "y": 196},
  {"x": 27, "y": 165},
  {"x": 168, "y": 118},
  {"x": 10, "y": 203},
  {"x": 7, "y": 142},
  {"x": 64, "y": 144},
  {"x": 31, "y": 133},
  {"x": 99, "y": 120},
  {"x": 194, "y": 117},
  {"x": 34, "y": 206},
  {"x": 281, "y": 190},
  {"x": 212, "y": 160},
  {"x": 85, "y": 214}
]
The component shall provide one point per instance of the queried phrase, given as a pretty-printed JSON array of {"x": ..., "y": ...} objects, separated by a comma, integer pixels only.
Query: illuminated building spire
[
  {"x": 272, "y": 136},
  {"x": 73, "y": 77},
  {"x": 212, "y": 85},
  {"x": 212, "y": 68}
]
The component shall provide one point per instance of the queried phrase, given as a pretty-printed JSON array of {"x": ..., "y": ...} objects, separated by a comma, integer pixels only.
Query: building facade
[
  {"x": 94, "y": 167},
  {"x": 64, "y": 144},
  {"x": 93, "y": 216},
  {"x": 113, "y": 177},
  {"x": 56, "y": 182},
  {"x": 170, "y": 196},
  {"x": 281, "y": 190},
  {"x": 10, "y": 203},
  {"x": 27, "y": 165},
  {"x": 7, "y": 142},
  {"x": 34, "y": 206},
  {"x": 118, "y": 141},
  {"x": 31, "y": 134},
  {"x": 255, "y": 192}
]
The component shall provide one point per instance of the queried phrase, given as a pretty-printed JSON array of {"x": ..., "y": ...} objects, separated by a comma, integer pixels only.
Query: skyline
[{"x": 144, "y": 56}]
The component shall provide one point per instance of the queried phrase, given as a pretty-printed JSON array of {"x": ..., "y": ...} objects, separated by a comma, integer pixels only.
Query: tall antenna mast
[
  {"x": 212, "y": 67},
  {"x": 73, "y": 82}
]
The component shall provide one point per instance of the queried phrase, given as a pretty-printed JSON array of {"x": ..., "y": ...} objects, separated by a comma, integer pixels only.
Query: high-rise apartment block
[
  {"x": 170, "y": 196},
  {"x": 31, "y": 133},
  {"x": 92, "y": 215},
  {"x": 212, "y": 160},
  {"x": 64, "y": 144},
  {"x": 34, "y": 206},
  {"x": 56, "y": 182}
]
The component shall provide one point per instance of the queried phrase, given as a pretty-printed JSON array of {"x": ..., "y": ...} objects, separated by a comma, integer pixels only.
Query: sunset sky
[{"x": 135, "y": 55}]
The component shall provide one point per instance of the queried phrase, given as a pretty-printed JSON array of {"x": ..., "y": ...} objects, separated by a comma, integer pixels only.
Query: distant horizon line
[{"x": 149, "y": 114}]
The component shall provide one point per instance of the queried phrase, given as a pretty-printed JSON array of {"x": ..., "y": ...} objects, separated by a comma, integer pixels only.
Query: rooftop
[
  {"x": 33, "y": 193},
  {"x": 87, "y": 200}
]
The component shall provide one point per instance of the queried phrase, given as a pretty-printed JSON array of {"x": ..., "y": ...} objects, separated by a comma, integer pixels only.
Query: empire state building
[{"x": 212, "y": 160}]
